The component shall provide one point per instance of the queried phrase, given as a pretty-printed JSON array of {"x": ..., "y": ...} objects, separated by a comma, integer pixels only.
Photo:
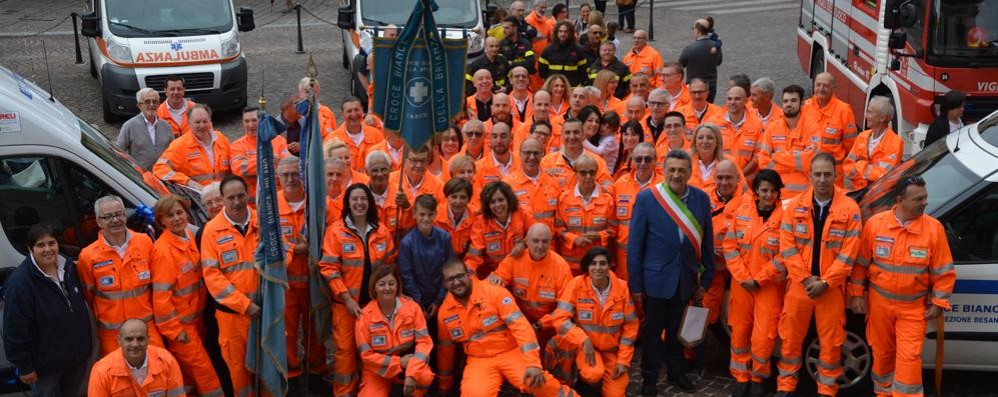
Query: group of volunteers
[{"x": 582, "y": 203}]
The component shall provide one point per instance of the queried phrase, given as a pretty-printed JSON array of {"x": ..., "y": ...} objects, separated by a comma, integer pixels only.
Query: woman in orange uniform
[
  {"x": 498, "y": 231},
  {"x": 758, "y": 281},
  {"x": 393, "y": 340},
  {"x": 352, "y": 246},
  {"x": 178, "y": 295},
  {"x": 595, "y": 315},
  {"x": 454, "y": 216}
]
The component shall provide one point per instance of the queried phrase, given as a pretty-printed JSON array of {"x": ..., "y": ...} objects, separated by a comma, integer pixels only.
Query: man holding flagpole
[{"x": 668, "y": 264}]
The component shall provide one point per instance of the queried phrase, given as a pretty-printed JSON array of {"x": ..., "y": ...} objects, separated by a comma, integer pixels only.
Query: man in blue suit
[{"x": 666, "y": 267}]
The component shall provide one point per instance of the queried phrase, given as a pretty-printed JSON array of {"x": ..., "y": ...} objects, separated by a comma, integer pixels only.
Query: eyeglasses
[
  {"x": 643, "y": 159},
  {"x": 586, "y": 173},
  {"x": 476, "y": 134},
  {"x": 453, "y": 279},
  {"x": 119, "y": 214}
]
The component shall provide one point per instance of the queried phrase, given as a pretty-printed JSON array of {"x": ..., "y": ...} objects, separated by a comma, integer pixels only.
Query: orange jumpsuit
[
  {"x": 751, "y": 247},
  {"x": 382, "y": 343},
  {"x": 692, "y": 121},
  {"x": 535, "y": 285},
  {"x": 242, "y": 159},
  {"x": 358, "y": 153},
  {"x": 611, "y": 326},
  {"x": 863, "y": 166},
  {"x": 297, "y": 300},
  {"x": 839, "y": 239},
  {"x": 461, "y": 234},
  {"x": 491, "y": 242},
  {"x": 497, "y": 340},
  {"x": 625, "y": 191},
  {"x": 545, "y": 27},
  {"x": 163, "y": 113},
  {"x": 522, "y": 132},
  {"x": 228, "y": 265},
  {"x": 327, "y": 121},
  {"x": 647, "y": 61},
  {"x": 835, "y": 128},
  {"x": 740, "y": 140},
  {"x": 709, "y": 185},
  {"x": 540, "y": 195},
  {"x": 556, "y": 165},
  {"x": 912, "y": 268},
  {"x": 789, "y": 153},
  {"x": 111, "y": 376},
  {"x": 344, "y": 257},
  {"x": 178, "y": 299},
  {"x": 404, "y": 217},
  {"x": 185, "y": 159},
  {"x": 487, "y": 170},
  {"x": 722, "y": 215},
  {"x": 575, "y": 217},
  {"x": 118, "y": 287}
]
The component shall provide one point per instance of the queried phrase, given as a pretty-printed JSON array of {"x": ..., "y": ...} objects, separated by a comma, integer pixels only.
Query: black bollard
[
  {"x": 301, "y": 46},
  {"x": 651, "y": 20},
  {"x": 76, "y": 39}
]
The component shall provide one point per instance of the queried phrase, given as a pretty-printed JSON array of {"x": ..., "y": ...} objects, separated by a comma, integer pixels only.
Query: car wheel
[{"x": 857, "y": 358}]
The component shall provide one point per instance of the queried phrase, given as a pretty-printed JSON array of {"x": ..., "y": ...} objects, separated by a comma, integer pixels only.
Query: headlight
[
  {"x": 230, "y": 45},
  {"x": 476, "y": 43},
  {"x": 118, "y": 51}
]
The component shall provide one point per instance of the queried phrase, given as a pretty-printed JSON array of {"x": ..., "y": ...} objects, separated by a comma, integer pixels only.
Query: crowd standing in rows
[{"x": 583, "y": 202}]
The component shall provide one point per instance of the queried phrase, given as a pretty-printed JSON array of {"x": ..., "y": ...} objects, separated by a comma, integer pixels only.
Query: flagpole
[
  {"x": 398, "y": 210},
  {"x": 311, "y": 72},
  {"x": 262, "y": 102}
]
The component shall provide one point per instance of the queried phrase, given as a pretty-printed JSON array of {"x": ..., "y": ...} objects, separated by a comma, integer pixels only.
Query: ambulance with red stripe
[
  {"x": 912, "y": 51},
  {"x": 134, "y": 44}
]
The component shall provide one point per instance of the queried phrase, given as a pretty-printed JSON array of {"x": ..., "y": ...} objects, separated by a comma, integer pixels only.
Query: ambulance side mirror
[
  {"x": 244, "y": 19},
  {"x": 344, "y": 18},
  {"x": 90, "y": 25}
]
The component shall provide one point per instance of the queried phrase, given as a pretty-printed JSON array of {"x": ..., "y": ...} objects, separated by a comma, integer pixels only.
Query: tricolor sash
[{"x": 680, "y": 214}]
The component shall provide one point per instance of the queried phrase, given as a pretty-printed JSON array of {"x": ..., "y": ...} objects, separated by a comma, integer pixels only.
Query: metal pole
[
  {"x": 76, "y": 39},
  {"x": 651, "y": 19},
  {"x": 301, "y": 46}
]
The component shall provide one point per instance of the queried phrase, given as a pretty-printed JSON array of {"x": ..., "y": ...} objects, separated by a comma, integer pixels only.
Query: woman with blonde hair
[
  {"x": 606, "y": 82},
  {"x": 557, "y": 85},
  {"x": 707, "y": 151}
]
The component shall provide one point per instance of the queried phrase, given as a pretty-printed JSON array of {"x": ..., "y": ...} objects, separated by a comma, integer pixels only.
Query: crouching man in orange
[
  {"x": 910, "y": 283},
  {"x": 596, "y": 315},
  {"x": 497, "y": 339},
  {"x": 136, "y": 368},
  {"x": 393, "y": 340}
]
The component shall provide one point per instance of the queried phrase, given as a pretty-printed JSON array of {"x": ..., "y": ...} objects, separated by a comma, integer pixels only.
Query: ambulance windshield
[
  {"x": 452, "y": 13},
  {"x": 965, "y": 31},
  {"x": 155, "y": 18}
]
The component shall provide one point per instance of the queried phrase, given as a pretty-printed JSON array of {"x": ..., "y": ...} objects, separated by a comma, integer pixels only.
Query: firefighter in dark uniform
[
  {"x": 515, "y": 47},
  {"x": 563, "y": 56},
  {"x": 494, "y": 62},
  {"x": 608, "y": 60}
]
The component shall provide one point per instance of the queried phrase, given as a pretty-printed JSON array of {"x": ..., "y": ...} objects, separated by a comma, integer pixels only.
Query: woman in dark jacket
[
  {"x": 949, "y": 119},
  {"x": 46, "y": 323}
]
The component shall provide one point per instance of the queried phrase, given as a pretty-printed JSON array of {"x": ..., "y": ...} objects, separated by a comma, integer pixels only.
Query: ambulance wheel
[
  {"x": 857, "y": 359},
  {"x": 93, "y": 68},
  {"x": 345, "y": 60}
]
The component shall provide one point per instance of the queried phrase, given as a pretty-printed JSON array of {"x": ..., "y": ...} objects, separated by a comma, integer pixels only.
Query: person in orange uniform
[
  {"x": 761, "y": 99},
  {"x": 135, "y": 368},
  {"x": 242, "y": 151},
  {"x": 542, "y": 112},
  {"x": 378, "y": 166},
  {"x": 533, "y": 188},
  {"x": 699, "y": 109},
  {"x": 835, "y": 124},
  {"x": 642, "y": 58},
  {"x": 115, "y": 274},
  {"x": 498, "y": 341},
  {"x": 500, "y": 160},
  {"x": 819, "y": 237},
  {"x": 352, "y": 246},
  {"x": 672, "y": 77},
  {"x": 417, "y": 181},
  {"x": 179, "y": 294},
  {"x": 909, "y": 284},
  {"x": 559, "y": 164},
  {"x": 751, "y": 249},
  {"x": 393, "y": 340},
  {"x": 455, "y": 217},
  {"x": 227, "y": 246},
  {"x": 787, "y": 145},
  {"x": 596, "y": 316},
  {"x": 544, "y": 25},
  {"x": 536, "y": 280},
  {"x": 291, "y": 204},
  {"x": 585, "y": 215},
  {"x": 175, "y": 108},
  {"x": 625, "y": 190},
  {"x": 198, "y": 158},
  {"x": 499, "y": 230},
  {"x": 327, "y": 119},
  {"x": 741, "y": 131},
  {"x": 359, "y": 137},
  {"x": 877, "y": 150}
]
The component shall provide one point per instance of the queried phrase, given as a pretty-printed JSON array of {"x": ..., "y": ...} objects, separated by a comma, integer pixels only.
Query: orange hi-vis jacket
[
  {"x": 741, "y": 141},
  {"x": 522, "y": 132},
  {"x": 576, "y": 217},
  {"x": 343, "y": 257},
  {"x": 647, "y": 61},
  {"x": 540, "y": 195},
  {"x": 625, "y": 192},
  {"x": 406, "y": 220},
  {"x": 544, "y": 26},
  {"x": 789, "y": 153},
  {"x": 904, "y": 263},
  {"x": 292, "y": 224},
  {"x": 242, "y": 159},
  {"x": 752, "y": 246},
  {"x": 395, "y": 157},
  {"x": 358, "y": 153},
  {"x": 227, "y": 260},
  {"x": 486, "y": 169},
  {"x": 840, "y": 238},
  {"x": 327, "y": 121},
  {"x": 723, "y": 215},
  {"x": 610, "y": 326},
  {"x": 118, "y": 287},
  {"x": 185, "y": 159},
  {"x": 178, "y": 291},
  {"x": 709, "y": 185},
  {"x": 163, "y": 113},
  {"x": 559, "y": 167},
  {"x": 683, "y": 99},
  {"x": 382, "y": 343},
  {"x": 862, "y": 167},
  {"x": 490, "y": 242},
  {"x": 111, "y": 376},
  {"x": 835, "y": 126},
  {"x": 692, "y": 121},
  {"x": 536, "y": 284},
  {"x": 490, "y": 324},
  {"x": 460, "y": 235},
  {"x": 775, "y": 113},
  {"x": 528, "y": 109}
]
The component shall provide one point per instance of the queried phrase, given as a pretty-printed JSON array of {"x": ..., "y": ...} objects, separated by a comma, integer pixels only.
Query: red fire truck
[{"x": 912, "y": 51}]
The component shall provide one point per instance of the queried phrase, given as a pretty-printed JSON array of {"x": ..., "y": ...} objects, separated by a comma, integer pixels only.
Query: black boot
[
  {"x": 683, "y": 382},
  {"x": 649, "y": 388},
  {"x": 741, "y": 389},
  {"x": 756, "y": 390}
]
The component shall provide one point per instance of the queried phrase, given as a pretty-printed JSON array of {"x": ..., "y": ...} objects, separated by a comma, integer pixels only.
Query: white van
[{"x": 134, "y": 44}]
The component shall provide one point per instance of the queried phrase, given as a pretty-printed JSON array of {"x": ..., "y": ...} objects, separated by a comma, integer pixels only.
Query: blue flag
[
  {"x": 313, "y": 171},
  {"x": 419, "y": 78},
  {"x": 266, "y": 354}
]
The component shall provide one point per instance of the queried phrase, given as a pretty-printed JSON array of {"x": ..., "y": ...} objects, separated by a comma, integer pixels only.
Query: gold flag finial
[
  {"x": 311, "y": 71},
  {"x": 263, "y": 84}
]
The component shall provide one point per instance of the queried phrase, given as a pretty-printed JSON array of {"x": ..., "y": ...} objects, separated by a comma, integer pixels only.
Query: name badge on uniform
[
  {"x": 773, "y": 241},
  {"x": 918, "y": 252},
  {"x": 492, "y": 247},
  {"x": 553, "y": 202},
  {"x": 617, "y": 316},
  {"x": 224, "y": 239},
  {"x": 449, "y": 319},
  {"x": 187, "y": 267},
  {"x": 831, "y": 131},
  {"x": 380, "y": 247},
  {"x": 883, "y": 251},
  {"x": 488, "y": 321},
  {"x": 375, "y": 326},
  {"x": 575, "y": 221},
  {"x": 743, "y": 218},
  {"x": 585, "y": 315},
  {"x": 598, "y": 220},
  {"x": 749, "y": 143},
  {"x": 193, "y": 155},
  {"x": 229, "y": 256},
  {"x": 519, "y": 193},
  {"x": 456, "y": 333},
  {"x": 739, "y": 234},
  {"x": 836, "y": 233},
  {"x": 492, "y": 234},
  {"x": 348, "y": 248},
  {"x": 102, "y": 263},
  {"x": 379, "y": 340},
  {"x": 621, "y": 211},
  {"x": 106, "y": 281},
  {"x": 546, "y": 294},
  {"x": 572, "y": 209},
  {"x": 801, "y": 228},
  {"x": 286, "y": 230},
  {"x": 144, "y": 275}
]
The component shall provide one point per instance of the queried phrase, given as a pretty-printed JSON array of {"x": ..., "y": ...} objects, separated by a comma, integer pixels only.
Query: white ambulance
[{"x": 135, "y": 44}]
